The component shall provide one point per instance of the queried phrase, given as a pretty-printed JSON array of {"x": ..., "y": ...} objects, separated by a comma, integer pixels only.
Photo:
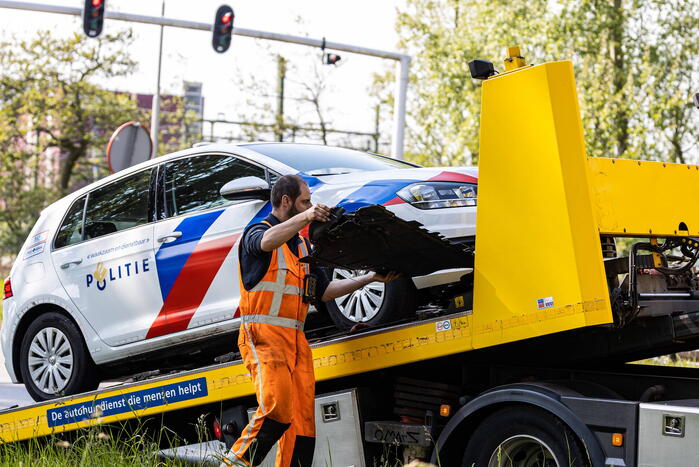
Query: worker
[{"x": 274, "y": 293}]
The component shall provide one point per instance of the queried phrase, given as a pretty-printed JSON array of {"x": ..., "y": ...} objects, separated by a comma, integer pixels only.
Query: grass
[
  {"x": 112, "y": 446},
  {"x": 91, "y": 447}
]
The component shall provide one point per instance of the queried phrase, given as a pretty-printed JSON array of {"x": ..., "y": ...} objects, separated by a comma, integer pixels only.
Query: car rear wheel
[
  {"x": 54, "y": 360},
  {"x": 374, "y": 304}
]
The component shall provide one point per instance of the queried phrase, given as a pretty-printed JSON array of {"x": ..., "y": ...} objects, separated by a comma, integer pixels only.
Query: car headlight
[{"x": 435, "y": 195}]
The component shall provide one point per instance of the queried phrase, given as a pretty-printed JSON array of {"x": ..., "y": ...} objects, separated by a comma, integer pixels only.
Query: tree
[
  {"x": 633, "y": 64},
  {"x": 56, "y": 116},
  {"x": 53, "y": 94},
  {"x": 22, "y": 195}
]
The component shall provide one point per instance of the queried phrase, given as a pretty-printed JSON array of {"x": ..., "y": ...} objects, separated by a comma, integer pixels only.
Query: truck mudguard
[{"x": 530, "y": 394}]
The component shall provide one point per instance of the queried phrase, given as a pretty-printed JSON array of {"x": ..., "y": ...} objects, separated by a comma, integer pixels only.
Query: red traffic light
[
  {"x": 222, "y": 28},
  {"x": 331, "y": 59},
  {"x": 93, "y": 17}
]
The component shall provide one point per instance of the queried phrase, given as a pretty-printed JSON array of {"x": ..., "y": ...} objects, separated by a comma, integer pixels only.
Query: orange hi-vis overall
[{"x": 277, "y": 355}]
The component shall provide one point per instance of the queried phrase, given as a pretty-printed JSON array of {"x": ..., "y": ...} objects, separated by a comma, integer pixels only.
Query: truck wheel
[
  {"x": 523, "y": 436},
  {"x": 54, "y": 360},
  {"x": 374, "y": 304}
]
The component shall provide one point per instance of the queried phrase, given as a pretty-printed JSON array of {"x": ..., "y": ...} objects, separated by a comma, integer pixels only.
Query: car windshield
[{"x": 318, "y": 160}]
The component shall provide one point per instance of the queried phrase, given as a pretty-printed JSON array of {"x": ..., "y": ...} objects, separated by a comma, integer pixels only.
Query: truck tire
[
  {"x": 523, "y": 436},
  {"x": 54, "y": 359},
  {"x": 374, "y": 304}
]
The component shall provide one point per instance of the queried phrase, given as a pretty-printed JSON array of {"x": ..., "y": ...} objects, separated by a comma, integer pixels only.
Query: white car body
[{"x": 138, "y": 290}]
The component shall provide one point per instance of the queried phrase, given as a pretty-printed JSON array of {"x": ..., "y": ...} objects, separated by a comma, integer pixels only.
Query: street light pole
[
  {"x": 401, "y": 95},
  {"x": 155, "y": 107}
]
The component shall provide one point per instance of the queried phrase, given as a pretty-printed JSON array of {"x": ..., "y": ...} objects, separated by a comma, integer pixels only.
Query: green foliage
[
  {"x": 56, "y": 117},
  {"x": 20, "y": 201},
  {"x": 53, "y": 94},
  {"x": 634, "y": 63}
]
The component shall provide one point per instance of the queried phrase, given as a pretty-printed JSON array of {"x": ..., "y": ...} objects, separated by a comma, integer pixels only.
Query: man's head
[{"x": 290, "y": 196}]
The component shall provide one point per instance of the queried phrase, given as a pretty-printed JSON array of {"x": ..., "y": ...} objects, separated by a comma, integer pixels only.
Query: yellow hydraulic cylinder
[{"x": 538, "y": 267}]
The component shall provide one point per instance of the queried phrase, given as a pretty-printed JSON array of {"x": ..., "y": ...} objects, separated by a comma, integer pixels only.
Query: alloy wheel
[
  {"x": 363, "y": 304},
  {"x": 50, "y": 360}
]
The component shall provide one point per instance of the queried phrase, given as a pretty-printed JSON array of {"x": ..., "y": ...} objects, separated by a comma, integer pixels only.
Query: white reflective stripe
[
  {"x": 260, "y": 399},
  {"x": 281, "y": 260},
  {"x": 304, "y": 253},
  {"x": 274, "y": 320},
  {"x": 286, "y": 289},
  {"x": 276, "y": 305},
  {"x": 232, "y": 460}
]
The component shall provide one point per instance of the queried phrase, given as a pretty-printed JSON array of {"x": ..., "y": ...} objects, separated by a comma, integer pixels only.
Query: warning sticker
[
  {"x": 543, "y": 303},
  {"x": 130, "y": 401},
  {"x": 443, "y": 325}
]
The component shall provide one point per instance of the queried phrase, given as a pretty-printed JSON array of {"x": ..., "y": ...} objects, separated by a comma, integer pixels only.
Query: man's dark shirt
[{"x": 254, "y": 262}]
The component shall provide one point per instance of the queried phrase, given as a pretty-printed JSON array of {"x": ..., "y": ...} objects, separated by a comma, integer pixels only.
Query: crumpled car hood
[{"x": 373, "y": 238}]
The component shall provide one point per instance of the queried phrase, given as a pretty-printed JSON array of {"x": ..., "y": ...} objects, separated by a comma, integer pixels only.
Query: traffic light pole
[{"x": 402, "y": 59}]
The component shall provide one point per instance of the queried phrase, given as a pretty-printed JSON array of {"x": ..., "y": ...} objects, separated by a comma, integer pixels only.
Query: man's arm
[
  {"x": 340, "y": 287},
  {"x": 278, "y": 235}
]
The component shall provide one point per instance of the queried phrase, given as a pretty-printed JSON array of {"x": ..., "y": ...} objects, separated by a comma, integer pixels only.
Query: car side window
[
  {"x": 70, "y": 231},
  {"x": 193, "y": 184},
  {"x": 120, "y": 205}
]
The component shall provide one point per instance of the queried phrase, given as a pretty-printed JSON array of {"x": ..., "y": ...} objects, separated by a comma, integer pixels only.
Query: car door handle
[
  {"x": 170, "y": 238},
  {"x": 67, "y": 265}
]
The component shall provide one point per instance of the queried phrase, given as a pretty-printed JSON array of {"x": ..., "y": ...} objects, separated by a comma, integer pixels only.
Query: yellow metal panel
[
  {"x": 538, "y": 267},
  {"x": 411, "y": 343},
  {"x": 641, "y": 198},
  {"x": 366, "y": 352}
]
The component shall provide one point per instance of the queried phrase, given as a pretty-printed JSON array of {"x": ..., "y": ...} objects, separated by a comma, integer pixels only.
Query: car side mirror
[{"x": 246, "y": 188}]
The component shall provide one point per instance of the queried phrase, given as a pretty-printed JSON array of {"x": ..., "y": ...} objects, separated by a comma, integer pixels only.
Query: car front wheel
[
  {"x": 54, "y": 360},
  {"x": 374, "y": 304}
]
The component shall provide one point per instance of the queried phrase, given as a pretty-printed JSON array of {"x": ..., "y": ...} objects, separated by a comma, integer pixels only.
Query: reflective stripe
[
  {"x": 279, "y": 287},
  {"x": 274, "y": 320},
  {"x": 304, "y": 253},
  {"x": 276, "y": 305},
  {"x": 281, "y": 260},
  {"x": 286, "y": 289},
  {"x": 236, "y": 462},
  {"x": 260, "y": 399}
]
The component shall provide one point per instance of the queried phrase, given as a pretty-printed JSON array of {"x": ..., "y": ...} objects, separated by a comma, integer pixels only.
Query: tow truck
[{"x": 529, "y": 365}]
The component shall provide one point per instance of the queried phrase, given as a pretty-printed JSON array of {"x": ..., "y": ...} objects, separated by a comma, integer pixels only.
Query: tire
[
  {"x": 61, "y": 364},
  {"x": 374, "y": 304},
  {"x": 524, "y": 436}
]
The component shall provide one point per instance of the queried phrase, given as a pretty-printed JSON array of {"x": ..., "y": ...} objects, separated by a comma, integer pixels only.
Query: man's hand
[
  {"x": 340, "y": 287},
  {"x": 388, "y": 277},
  {"x": 317, "y": 212}
]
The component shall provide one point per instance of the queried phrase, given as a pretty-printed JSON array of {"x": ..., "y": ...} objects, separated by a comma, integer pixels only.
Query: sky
[{"x": 188, "y": 54}]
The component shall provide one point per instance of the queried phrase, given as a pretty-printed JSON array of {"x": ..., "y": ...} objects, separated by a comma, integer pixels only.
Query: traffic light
[
  {"x": 223, "y": 28},
  {"x": 93, "y": 17},
  {"x": 331, "y": 59}
]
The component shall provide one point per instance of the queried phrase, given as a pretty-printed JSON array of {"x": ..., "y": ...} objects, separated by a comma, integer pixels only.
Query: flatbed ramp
[
  {"x": 334, "y": 358},
  {"x": 341, "y": 356}
]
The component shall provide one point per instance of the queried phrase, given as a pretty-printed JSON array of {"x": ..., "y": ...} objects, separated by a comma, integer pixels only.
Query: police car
[{"x": 140, "y": 268}]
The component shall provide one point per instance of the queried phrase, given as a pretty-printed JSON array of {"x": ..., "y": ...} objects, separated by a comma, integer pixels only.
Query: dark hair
[{"x": 289, "y": 185}]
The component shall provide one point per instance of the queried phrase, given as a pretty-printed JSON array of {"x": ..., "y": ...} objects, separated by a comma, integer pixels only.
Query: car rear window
[
  {"x": 120, "y": 205},
  {"x": 70, "y": 231},
  {"x": 319, "y": 160}
]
